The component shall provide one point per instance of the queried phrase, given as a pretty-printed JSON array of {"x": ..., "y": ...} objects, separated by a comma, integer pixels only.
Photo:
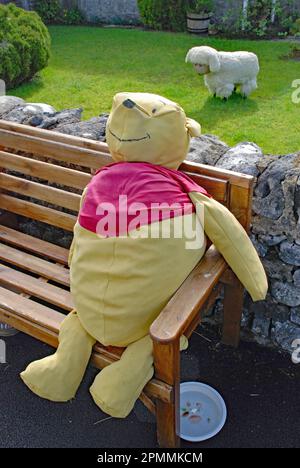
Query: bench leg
[
  {"x": 167, "y": 369},
  {"x": 233, "y": 308}
]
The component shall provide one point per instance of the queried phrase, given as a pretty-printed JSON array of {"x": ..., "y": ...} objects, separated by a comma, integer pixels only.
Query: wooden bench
[{"x": 34, "y": 277}]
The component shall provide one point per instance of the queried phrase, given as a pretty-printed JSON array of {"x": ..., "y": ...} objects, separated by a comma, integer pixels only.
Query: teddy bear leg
[
  {"x": 118, "y": 386},
  {"x": 57, "y": 377}
]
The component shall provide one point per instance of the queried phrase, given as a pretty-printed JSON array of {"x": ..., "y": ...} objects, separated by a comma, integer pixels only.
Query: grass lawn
[{"x": 89, "y": 65}]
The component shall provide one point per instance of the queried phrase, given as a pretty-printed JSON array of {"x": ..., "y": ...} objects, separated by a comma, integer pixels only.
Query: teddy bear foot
[
  {"x": 47, "y": 381},
  {"x": 117, "y": 387},
  {"x": 115, "y": 396},
  {"x": 58, "y": 377}
]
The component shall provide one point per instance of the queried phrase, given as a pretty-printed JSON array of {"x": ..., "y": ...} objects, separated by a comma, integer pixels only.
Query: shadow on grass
[
  {"x": 216, "y": 109},
  {"x": 235, "y": 106}
]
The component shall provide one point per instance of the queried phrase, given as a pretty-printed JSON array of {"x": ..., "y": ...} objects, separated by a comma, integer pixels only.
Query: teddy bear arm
[{"x": 232, "y": 241}]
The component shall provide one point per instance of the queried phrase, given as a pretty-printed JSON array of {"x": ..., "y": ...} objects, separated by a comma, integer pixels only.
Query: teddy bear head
[{"x": 146, "y": 127}]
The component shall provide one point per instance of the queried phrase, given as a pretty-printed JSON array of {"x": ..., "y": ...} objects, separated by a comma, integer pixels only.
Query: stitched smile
[{"x": 147, "y": 137}]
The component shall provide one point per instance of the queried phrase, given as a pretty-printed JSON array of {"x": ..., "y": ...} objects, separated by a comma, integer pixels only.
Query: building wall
[
  {"x": 126, "y": 11},
  {"x": 109, "y": 10}
]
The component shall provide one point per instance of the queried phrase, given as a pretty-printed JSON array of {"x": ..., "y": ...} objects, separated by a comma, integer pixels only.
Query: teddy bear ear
[{"x": 193, "y": 127}]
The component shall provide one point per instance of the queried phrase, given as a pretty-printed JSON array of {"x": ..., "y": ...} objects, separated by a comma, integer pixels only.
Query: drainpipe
[
  {"x": 245, "y": 14},
  {"x": 273, "y": 14}
]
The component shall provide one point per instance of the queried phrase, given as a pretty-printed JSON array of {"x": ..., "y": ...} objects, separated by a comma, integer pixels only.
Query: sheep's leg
[
  {"x": 210, "y": 86},
  {"x": 248, "y": 87},
  {"x": 225, "y": 91}
]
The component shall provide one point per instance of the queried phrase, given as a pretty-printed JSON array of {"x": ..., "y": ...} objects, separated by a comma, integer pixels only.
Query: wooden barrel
[{"x": 198, "y": 23}]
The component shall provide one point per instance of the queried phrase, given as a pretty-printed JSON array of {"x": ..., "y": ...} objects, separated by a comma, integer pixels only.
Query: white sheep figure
[{"x": 224, "y": 71}]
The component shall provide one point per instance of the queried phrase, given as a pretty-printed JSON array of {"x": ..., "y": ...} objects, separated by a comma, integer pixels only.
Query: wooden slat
[
  {"x": 189, "y": 298},
  {"x": 32, "y": 244},
  {"x": 30, "y": 310},
  {"x": 55, "y": 136},
  {"x": 148, "y": 403},
  {"x": 33, "y": 286},
  {"x": 241, "y": 204},
  {"x": 235, "y": 178},
  {"x": 40, "y": 191},
  {"x": 38, "y": 212},
  {"x": 54, "y": 149},
  {"x": 42, "y": 331},
  {"x": 43, "y": 170},
  {"x": 35, "y": 265},
  {"x": 218, "y": 188},
  {"x": 26, "y": 326},
  {"x": 111, "y": 352}
]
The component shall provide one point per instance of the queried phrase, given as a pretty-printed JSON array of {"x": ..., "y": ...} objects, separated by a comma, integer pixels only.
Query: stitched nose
[{"x": 129, "y": 104}]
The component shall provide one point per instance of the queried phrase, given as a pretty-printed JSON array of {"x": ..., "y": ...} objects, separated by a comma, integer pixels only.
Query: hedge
[
  {"x": 164, "y": 14},
  {"x": 24, "y": 44},
  {"x": 52, "y": 12}
]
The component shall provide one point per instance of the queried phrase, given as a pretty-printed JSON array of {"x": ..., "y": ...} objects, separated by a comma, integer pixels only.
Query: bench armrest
[{"x": 189, "y": 298}]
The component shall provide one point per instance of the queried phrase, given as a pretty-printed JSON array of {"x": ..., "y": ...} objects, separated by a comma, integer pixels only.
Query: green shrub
[
  {"x": 169, "y": 15},
  {"x": 24, "y": 44},
  {"x": 295, "y": 28},
  {"x": 259, "y": 17},
  {"x": 72, "y": 16},
  {"x": 51, "y": 12},
  {"x": 200, "y": 6}
]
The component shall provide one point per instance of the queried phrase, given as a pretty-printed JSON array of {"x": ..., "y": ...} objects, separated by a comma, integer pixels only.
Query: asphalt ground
[{"x": 261, "y": 388}]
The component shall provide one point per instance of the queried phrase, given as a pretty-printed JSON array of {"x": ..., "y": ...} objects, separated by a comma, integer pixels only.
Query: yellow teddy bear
[{"x": 139, "y": 233}]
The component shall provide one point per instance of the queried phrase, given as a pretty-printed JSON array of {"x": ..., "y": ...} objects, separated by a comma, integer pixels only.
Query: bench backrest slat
[
  {"x": 240, "y": 189},
  {"x": 54, "y": 136},
  {"x": 38, "y": 212},
  {"x": 54, "y": 150},
  {"x": 232, "y": 189},
  {"x": 43, "y": 170},
  {"x": 38, "y": 247},
  {"x": 218, "y": 188},
  {"x": 39, "y": 191}
]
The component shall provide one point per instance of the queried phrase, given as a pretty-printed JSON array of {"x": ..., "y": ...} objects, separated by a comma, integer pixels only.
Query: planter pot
[{"x": 198, "y": 23}]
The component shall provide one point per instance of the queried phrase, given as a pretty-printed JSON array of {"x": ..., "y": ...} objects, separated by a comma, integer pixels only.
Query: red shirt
[{"x": 135, "y": 194}]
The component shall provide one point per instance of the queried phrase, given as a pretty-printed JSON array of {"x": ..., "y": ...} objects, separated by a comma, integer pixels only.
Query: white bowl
[{"x": 202, "y": 411}]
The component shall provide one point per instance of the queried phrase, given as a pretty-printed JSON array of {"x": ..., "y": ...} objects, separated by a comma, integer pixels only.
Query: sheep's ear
[
  {"x": 193, "y": 128},
  {"x": 214, "y": 62},
  {"x": 188, "y": 57}
]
